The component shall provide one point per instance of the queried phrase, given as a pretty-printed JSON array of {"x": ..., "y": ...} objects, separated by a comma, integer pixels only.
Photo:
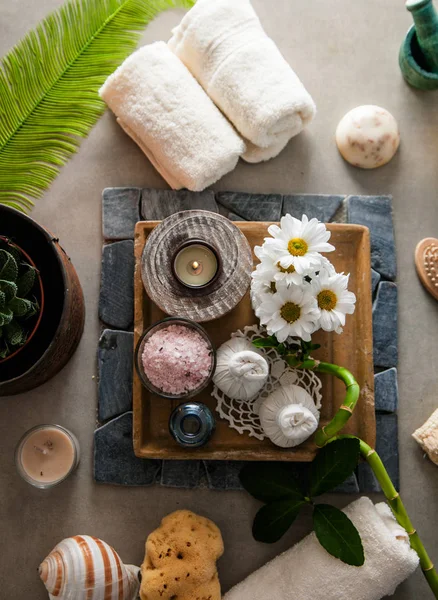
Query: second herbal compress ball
[{"x": 180, "y": 559}]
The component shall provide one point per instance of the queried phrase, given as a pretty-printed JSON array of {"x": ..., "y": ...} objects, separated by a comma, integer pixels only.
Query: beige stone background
[{"x": 345, "y": 51}]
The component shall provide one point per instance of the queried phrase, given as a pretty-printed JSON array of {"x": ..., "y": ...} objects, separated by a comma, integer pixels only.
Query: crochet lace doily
[{"x": 243, "y": 415}]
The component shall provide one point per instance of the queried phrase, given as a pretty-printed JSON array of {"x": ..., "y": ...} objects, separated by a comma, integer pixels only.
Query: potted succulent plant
[
  {"x": 21, "y": 299},
  {"x": 41, "y": 304}
]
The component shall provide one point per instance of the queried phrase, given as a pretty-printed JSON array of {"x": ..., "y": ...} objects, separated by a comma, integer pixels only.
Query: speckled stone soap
[{"x": 368, "y": 137}]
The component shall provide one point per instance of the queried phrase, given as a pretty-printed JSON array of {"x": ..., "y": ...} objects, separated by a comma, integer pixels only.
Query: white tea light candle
[
  {"x": 46, "y": 455},
  {"x": 195, "y": 265}
]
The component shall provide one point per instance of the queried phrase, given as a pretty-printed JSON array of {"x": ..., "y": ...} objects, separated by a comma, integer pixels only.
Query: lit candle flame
[{"x": 195, "y": 265}]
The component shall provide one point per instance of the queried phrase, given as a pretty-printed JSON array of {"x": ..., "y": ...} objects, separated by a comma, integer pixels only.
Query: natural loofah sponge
[{"x": 180, "y": 559}]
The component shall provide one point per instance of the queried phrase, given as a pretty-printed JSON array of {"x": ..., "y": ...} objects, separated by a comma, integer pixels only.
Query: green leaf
[
  {"x": 9, "y": 289},
  {"x": 270, "y": 481},
  {"x": 337, "y": 534},
  {"x": 6, "y": 316},
  {"x": 9, "y": 267},
  {"x": 273, "y": 520},
  {"x": 15, "y": 334},
  {"x": 333, "y": 464},
  {"x": 266, "y": 342},
  {"x": 26, "y": 282},
  {"x": 49, "y": 86},
  {"x": 20, "y": 306}
]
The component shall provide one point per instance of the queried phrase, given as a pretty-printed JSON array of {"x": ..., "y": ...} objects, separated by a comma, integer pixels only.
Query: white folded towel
[
  {"x": 308, "y": 572},
  {"x": 163, "y": 108},
  {"x": 225, "y": 47}
]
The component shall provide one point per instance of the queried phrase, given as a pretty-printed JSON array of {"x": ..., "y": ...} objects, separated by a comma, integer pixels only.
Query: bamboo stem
[
  {"x": 329, "y": 433},
  {"x": 399, "y": 510},
  {"x": 352, "y": 395}
]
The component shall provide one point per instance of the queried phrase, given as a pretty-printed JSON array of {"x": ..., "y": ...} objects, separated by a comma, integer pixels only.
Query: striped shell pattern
[{"x": 86, "y": 568}]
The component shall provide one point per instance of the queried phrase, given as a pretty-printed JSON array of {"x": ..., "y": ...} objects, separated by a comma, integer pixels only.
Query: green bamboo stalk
[
  {"x": 352, "y": 395},
  {"x": 329, "y": 433},
  {"x": 398, "y": 509}
]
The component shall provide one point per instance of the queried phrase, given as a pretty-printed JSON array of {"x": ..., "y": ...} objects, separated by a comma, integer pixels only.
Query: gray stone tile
[
  {"x": 385, "y": 333},
  {"x": 252, "y": 207},
  {"x": 116, "y": 301},
  {"x": 367, "y": 480},
  {"x": 386, "y": 391},
  {"x": 319, "y": 206},
  {"x": 375, "y": 279},
  {"x": 114, "y": 458},
  {"x": 350, "y": 486},
  {"x": 180, "y": 473},
  {"x": 233, "y": 217},
  {"x": 159, "y": 204},
  {"x": 223, "y": 475},
  {"x": 387, "y": 449},
  {"x": 115, "y": 364},
  {"x": 120, "y": 212},
  {"x": 375, "y": 212}
]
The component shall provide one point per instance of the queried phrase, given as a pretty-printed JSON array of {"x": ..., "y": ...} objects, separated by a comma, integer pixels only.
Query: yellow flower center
[
  {"x": 327, "y": 300},
  {"x": 290, "y": 312},
  {"x": 297, "y": 247},
  {"x": 290, "y": 269}
]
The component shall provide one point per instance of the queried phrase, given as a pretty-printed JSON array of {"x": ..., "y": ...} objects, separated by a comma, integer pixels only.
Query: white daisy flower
[
  {"x": 262, "y": 287},
  {"x": 333, "y": 300},
  {"x": 291, "y": 311},
  {"x": 298, "y": 243},
  {"x": 271, "y": 269}
]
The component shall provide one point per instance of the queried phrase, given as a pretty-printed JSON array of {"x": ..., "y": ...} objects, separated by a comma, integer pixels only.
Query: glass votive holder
[
  {"x": 46, "y": 455},
  {"x": 196, "y": 264},
  {"x": 192, "y": 424}
]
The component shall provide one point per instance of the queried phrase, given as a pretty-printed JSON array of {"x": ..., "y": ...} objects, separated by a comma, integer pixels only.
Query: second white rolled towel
[
  {"x": 167, "y": 113},
  {"x": 225, "y": 47},
  {"x": 308, "y": 572}
]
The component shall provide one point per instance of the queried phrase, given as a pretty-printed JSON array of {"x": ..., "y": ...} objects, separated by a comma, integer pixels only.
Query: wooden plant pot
[
  {"x": 62, "y": 319},
  {"x": 39, "y": 291}
]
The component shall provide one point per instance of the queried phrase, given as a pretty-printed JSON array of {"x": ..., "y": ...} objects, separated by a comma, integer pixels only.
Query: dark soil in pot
[{"x": 63, "y": 316}]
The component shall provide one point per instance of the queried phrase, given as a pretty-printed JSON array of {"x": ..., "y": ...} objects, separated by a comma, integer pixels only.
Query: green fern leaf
[{"x": 49, "y": 84}]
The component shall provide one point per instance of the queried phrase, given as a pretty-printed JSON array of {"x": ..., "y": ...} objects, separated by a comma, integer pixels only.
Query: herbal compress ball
[{"x": 180, "y": 559}]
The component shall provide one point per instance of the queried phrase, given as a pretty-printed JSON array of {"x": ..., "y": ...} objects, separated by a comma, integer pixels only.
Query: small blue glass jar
[{"x": 192, "y": 424}]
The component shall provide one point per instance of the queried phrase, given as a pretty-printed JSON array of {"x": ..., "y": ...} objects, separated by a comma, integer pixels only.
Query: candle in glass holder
[
  {"x": 46, "y": 455},
  {"x": 195, "y": 264}
]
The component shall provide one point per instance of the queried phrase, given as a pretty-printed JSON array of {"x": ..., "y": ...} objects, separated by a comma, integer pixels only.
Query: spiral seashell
[{"x": 86, "y": 568}]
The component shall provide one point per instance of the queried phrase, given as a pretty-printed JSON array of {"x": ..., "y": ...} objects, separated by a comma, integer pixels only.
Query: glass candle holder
[
  {"x": 196, "y": 264},
  {"x": 192, "y": 424},
  {"x": 46, "y": 455}
]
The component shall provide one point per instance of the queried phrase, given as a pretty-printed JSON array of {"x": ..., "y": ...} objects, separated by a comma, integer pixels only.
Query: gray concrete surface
[{"x": 346, "y": 53}]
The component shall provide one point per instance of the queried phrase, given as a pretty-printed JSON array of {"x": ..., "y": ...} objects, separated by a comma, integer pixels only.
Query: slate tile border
[{"x": 115, "y": 461}]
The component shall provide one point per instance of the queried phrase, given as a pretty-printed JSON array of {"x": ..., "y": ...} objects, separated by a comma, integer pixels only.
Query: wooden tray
[{"x": 353, "y": 350}]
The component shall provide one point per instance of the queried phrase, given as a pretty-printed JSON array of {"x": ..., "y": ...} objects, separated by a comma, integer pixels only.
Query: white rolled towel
[
  {"x": 308, "y": 572},
  {"x": 167, "y": 113},
  {"x": 225, "y": 47}
]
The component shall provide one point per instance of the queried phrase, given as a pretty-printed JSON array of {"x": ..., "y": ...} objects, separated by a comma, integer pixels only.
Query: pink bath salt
[{"x": 177, "y": 359}]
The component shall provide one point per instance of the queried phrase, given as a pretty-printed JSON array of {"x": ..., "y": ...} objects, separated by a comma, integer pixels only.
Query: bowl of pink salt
[{"x": 175, "y": 358}]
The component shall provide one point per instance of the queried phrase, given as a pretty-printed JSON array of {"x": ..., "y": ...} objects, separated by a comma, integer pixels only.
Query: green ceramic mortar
[{"x": 418, "y": 56}]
